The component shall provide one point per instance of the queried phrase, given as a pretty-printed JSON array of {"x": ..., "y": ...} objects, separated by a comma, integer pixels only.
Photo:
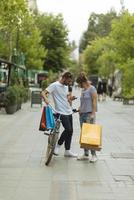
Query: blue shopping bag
[{"x": 50, "y": 122}]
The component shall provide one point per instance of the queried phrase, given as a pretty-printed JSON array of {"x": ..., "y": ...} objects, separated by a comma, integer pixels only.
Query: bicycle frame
[
  {"x": 53, "y": 136},
  {"x": 52, "y": 140}
]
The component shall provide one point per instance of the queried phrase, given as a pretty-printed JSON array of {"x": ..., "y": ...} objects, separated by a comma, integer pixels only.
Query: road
[{"x": 23, "y": 175}]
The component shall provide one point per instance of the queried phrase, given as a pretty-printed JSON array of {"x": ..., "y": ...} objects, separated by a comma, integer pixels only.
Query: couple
[{"x": 63, "y": 100}]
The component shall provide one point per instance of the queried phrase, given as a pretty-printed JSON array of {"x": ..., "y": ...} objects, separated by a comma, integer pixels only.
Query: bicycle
[{"x": 53, "y": 137}]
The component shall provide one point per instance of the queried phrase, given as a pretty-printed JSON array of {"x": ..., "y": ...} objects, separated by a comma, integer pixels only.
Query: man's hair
[
  {"x": 81, "y": 78},
  {"x": 67, "y": 75}
]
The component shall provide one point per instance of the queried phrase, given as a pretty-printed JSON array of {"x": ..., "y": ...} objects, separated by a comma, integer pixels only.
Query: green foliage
[
  {"x": 52, "y": 76},
  {"x": 103, "y": 55},
  {"x": 30, "y": 44},
  {"x": 44, "y": 84},
  {"x": 99, "y": 25},
  {"x": 74, "y": 67},
  {"x": 14, "y": 80},
  {"x": 11, "y": 96},
  {"x": 11, "y": 17},
  {"x": 128, "y": 79},
  {"x": 123, "y": 35},
  {"x": 91, "y": 55},
  {"x": 54, "y": 38},
  {"x": 18, "y": 30},
  {"x": 26, "y": 94}
]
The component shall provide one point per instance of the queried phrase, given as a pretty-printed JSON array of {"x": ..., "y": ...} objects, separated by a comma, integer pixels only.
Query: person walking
[
  {"x": 62, "y": 100},
  {"x": 99, "y": 89},
  {"x": 104, "y": 89},
  {"x": 110, "y": 88},
  {"x": 87, "y": 109}
]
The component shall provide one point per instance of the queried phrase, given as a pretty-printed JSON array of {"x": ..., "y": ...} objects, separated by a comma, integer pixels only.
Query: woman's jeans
[{"x": 86, "y": 118}]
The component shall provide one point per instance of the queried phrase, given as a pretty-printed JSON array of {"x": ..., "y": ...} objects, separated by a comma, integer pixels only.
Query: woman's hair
[{"x": 81, "y": 78}]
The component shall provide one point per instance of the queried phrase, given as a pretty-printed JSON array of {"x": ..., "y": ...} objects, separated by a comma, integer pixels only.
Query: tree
[
  {"x": 30, "y": 43},
  {"x": 11, "y": 16},
  {"x": 91, "y": 55},
  {"x": 99, "y": 25},
  {"x": 54, "y": 38},
  {"x": 128, "y": 78},
  {"x": 123, "y": 35},
  {"x": 100, "y": 57},
  {"x": 19, "y": 31}
]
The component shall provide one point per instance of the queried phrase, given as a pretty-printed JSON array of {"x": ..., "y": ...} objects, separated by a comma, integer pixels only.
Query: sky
[{"x": 77, "y": 12}]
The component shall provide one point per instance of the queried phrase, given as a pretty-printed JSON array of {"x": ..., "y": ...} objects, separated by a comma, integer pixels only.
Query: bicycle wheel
[{"x": 52, "y": 139}]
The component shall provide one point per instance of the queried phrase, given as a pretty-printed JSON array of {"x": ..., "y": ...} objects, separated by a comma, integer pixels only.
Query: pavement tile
[
  {"x": 7, "y": 193},
  {"x": 63, "y": 190}
]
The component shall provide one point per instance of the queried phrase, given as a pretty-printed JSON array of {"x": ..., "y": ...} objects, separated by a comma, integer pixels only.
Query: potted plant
[
  {"x": 18, "y": 90},
  {"x": 11, "y": 100}
]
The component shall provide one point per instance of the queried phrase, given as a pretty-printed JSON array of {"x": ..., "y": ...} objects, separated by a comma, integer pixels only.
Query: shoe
[
  {"x": 93, "y": 159},
  {"x": 68, "y": 153},
  {"x": 83, "y": 157},
  {"x": 56, "y": 150}
]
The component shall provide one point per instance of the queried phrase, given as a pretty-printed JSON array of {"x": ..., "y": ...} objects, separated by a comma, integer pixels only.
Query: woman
[{"x": 87, "y": 110}]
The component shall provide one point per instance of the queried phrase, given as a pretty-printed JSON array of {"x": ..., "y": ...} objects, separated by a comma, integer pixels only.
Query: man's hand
[
  {"x": 72, "y": 98},
  {"x": 45, "y": 96}
]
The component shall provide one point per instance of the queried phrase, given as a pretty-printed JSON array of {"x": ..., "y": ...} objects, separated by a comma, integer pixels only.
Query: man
[{"x": 62, "y": 100}]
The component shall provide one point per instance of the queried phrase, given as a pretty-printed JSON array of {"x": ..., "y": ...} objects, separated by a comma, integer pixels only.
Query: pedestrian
[
  {"x": 87, "y": 109},
  {"x": 110, "y": 88},
  {"x": 62, "y": 100},
  {"x": 99, "y": 89},
  {"x": 104, "y": 89}
]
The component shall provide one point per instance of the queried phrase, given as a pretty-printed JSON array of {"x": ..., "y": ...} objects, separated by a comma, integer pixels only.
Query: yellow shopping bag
[{"x": 91, "y": 136}]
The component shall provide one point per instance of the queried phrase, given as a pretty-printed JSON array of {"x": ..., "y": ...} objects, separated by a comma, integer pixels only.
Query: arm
[
  {"x": 45, "y": 94},
  {"x": 94, "y": 100}
]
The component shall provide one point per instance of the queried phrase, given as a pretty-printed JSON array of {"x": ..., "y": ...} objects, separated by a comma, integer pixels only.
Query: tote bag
[{"x": 91, "y": 136}]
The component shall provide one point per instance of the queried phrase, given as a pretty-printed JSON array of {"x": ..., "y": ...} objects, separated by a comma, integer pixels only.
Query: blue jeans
[{"x": 85, "y": 118}]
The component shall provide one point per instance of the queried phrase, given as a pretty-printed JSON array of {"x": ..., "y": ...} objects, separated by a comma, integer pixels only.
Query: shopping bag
[
  {"x": 42, "y": 126},
  {"x": 50, "y": 122},
  {"x": 91, "y": 136}
]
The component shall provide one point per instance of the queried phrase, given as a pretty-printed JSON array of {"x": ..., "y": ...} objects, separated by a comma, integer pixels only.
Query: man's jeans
[
  {"x": 66, "y": 135},
  {"x": 86, "y": 118}
]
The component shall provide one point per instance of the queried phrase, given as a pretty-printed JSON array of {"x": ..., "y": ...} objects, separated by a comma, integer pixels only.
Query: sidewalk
[{"x": 23, "y": 175}]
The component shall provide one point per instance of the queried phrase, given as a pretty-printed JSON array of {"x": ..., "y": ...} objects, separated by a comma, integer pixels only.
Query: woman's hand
[{"x": 92, "y": 115}]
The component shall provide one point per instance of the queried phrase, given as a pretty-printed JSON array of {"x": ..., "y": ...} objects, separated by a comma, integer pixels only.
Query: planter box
[{"x": 11, "y": 109}]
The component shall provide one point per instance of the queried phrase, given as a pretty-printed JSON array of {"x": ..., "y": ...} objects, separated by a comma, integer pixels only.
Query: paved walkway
[{"x": 23, "y": 175}]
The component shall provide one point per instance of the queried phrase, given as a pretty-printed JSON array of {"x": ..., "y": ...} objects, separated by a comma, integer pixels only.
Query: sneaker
[
  {"x": 93, "y": 159},
  {"x": 68, "y": 153},
  {"x": 83, "y": 157},
  {"x": 56, "y": 150}
]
